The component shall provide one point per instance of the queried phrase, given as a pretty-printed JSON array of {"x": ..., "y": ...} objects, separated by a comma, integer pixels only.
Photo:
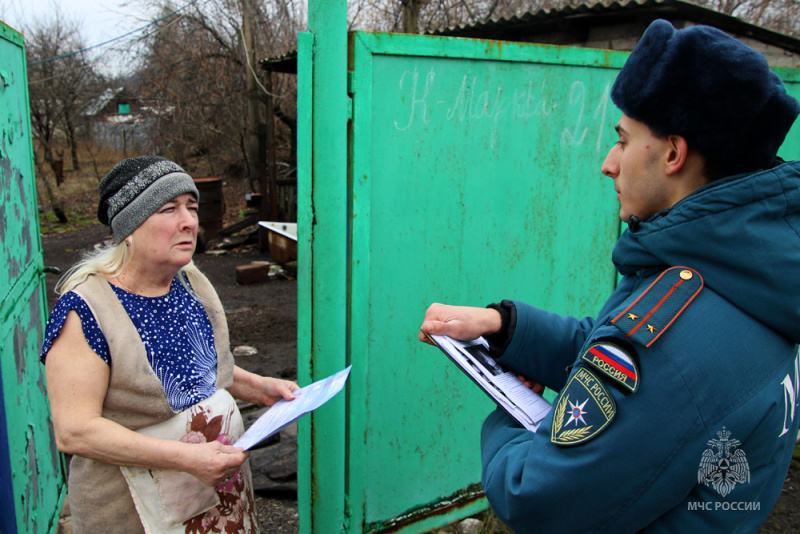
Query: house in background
[
  {"x": 117, "y": 121},
  {"x": 111, "y": 101},
  {"x": 619, "y": 25}
]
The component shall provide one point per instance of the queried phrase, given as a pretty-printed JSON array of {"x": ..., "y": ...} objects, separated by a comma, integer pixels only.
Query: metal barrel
[{"x": 212, "y": 204}]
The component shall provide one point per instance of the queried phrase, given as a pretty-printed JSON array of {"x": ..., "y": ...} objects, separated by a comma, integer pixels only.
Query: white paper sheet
[{"x": 283, "y": 412}]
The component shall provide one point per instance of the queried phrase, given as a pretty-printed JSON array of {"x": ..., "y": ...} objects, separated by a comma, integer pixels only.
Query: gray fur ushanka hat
[
  {"x": 136, "y": 188},
  {"x": 713, "y": 90}
]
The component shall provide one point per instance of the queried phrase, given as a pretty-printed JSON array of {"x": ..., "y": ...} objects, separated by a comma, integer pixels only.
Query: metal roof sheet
[{"x": 615, "y": 12}]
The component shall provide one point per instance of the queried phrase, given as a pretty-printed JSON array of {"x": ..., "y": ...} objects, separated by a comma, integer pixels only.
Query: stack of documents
[{"x": 508, "y": 391}]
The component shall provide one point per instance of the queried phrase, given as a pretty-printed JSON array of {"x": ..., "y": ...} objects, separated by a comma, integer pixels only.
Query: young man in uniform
[{"x": 676, "y": 406}]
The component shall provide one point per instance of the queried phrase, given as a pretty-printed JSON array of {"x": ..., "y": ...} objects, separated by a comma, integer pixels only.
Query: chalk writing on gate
[
  {"x": 416, "y": 99},
  {"x": 474, "y": 100},
  {"x": 577, "y": 98}
]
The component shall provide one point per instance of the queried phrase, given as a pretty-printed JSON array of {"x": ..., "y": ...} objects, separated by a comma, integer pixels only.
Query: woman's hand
[
  {"x": 214, "y": 463},
  {"x": 459, "y": 322},
  {"x": 275, "y": 389},
  {"x": 261, "y": 389}
]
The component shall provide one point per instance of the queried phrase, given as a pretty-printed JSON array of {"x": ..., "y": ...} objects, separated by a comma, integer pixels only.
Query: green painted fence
[
  {"x": 472, "y": 175},
  {"x": 471, "y": 169},
  {"x": 32, "y": 485},
  {"x": 451, "y": 170}
]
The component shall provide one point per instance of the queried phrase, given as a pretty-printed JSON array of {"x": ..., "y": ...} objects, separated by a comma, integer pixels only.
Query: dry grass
[{"x": 77, "y": 194}]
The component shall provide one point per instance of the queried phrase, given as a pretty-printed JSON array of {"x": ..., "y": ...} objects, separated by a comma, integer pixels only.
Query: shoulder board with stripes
[{"x": 654, "y": 311}]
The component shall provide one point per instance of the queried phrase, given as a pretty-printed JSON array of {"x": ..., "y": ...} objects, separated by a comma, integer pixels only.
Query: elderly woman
[{"x": 139, "y": 373}]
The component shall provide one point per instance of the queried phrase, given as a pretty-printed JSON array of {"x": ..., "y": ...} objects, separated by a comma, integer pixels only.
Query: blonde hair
[{"x": 110, "y": 261}]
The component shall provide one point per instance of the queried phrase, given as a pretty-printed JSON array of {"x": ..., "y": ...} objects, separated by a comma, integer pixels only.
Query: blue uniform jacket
[{"x": 724, "y": 373}]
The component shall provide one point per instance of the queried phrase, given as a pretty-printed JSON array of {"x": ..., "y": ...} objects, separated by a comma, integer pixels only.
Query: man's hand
[
  {"x": 536, "y": 387},
  {"x": 459, "y": 322}
]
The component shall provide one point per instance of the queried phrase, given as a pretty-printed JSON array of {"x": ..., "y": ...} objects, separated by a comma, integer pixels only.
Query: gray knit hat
[{"x": 136, "y": 188}]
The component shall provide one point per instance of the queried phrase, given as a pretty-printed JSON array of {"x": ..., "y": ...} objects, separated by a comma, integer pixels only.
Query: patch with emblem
[
  {"x": 583, "y": 410},
  {"x": 656, "y": 309}
]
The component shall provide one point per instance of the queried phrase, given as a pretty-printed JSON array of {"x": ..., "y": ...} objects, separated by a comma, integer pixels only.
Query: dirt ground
[{"x": 264, "y": 316}]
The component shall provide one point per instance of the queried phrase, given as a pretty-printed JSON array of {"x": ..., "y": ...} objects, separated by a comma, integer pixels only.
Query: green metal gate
[
  {"x": 460, "y": 194},
  {"x": 435, "y": 169},
  {"x": 32, "y": 485}
]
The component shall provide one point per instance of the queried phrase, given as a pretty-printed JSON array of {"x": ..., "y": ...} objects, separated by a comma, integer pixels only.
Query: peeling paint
[
  {"x": 36, "y": 313},
  {"x": 19, "y": 353},
  {"x": 24, "y": 469},
  {"x": 34, "y": 490},
  {"x": 55, "y": 456},
  {"x": 4, "y": 173},
  {"x": 33, "y": 468}
]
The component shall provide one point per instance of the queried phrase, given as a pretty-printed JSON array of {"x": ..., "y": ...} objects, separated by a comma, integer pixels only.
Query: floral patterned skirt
[{"x": 172, "y": 502}]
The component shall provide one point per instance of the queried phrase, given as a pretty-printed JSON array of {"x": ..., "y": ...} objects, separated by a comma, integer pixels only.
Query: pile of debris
[
  {"x": 262, "y": 271},
  {"x": 248, "y": 236},
  {"x": 243, "y": 233}
]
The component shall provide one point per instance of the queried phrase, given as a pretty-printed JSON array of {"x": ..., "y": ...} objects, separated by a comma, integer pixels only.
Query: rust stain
[
  {"x": 19, "y": 352},
  {"x": 350, "y": 55},
  {"x": 444, "y": 506},
  {"x": 491, "y": 44}
]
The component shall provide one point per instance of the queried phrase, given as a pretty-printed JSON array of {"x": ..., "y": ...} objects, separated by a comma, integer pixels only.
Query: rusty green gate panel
[
  {"x": 32, "y": 485},
  {"x": 323, "y": 108},
  {"x": 475, "y": 177}
]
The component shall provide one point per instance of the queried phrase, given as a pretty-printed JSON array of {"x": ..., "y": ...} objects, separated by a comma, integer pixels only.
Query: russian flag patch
[{"x": 614, "y": 362}]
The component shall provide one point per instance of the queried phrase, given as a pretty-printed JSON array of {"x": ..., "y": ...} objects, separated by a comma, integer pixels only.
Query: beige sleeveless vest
[{"x": 98, "y": 494}]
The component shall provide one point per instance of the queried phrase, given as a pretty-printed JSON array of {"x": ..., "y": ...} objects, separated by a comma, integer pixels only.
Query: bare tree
[
  {"x": 410, "y": 14},
  {"x": 415, "y": 16},
  {"x": 62, "y": 80},
  {"x": 202, "y": 84}
]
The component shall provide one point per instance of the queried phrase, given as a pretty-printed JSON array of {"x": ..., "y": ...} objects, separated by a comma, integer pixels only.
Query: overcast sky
[{"x": 98, "y": 21}]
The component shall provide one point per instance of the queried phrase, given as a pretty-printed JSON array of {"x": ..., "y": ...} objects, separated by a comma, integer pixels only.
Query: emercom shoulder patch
[
  {"x": 614, "y": 362},
  {"x": 657, "y": 308},
  {"x": 583, "y": 409}
]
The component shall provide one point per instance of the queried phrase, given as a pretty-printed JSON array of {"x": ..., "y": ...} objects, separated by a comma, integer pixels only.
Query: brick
[{"x": 252, "y": 273}]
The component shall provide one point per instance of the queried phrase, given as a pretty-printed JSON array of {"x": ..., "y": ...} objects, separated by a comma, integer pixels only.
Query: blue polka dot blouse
[{"x": 174, "y": 329}]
